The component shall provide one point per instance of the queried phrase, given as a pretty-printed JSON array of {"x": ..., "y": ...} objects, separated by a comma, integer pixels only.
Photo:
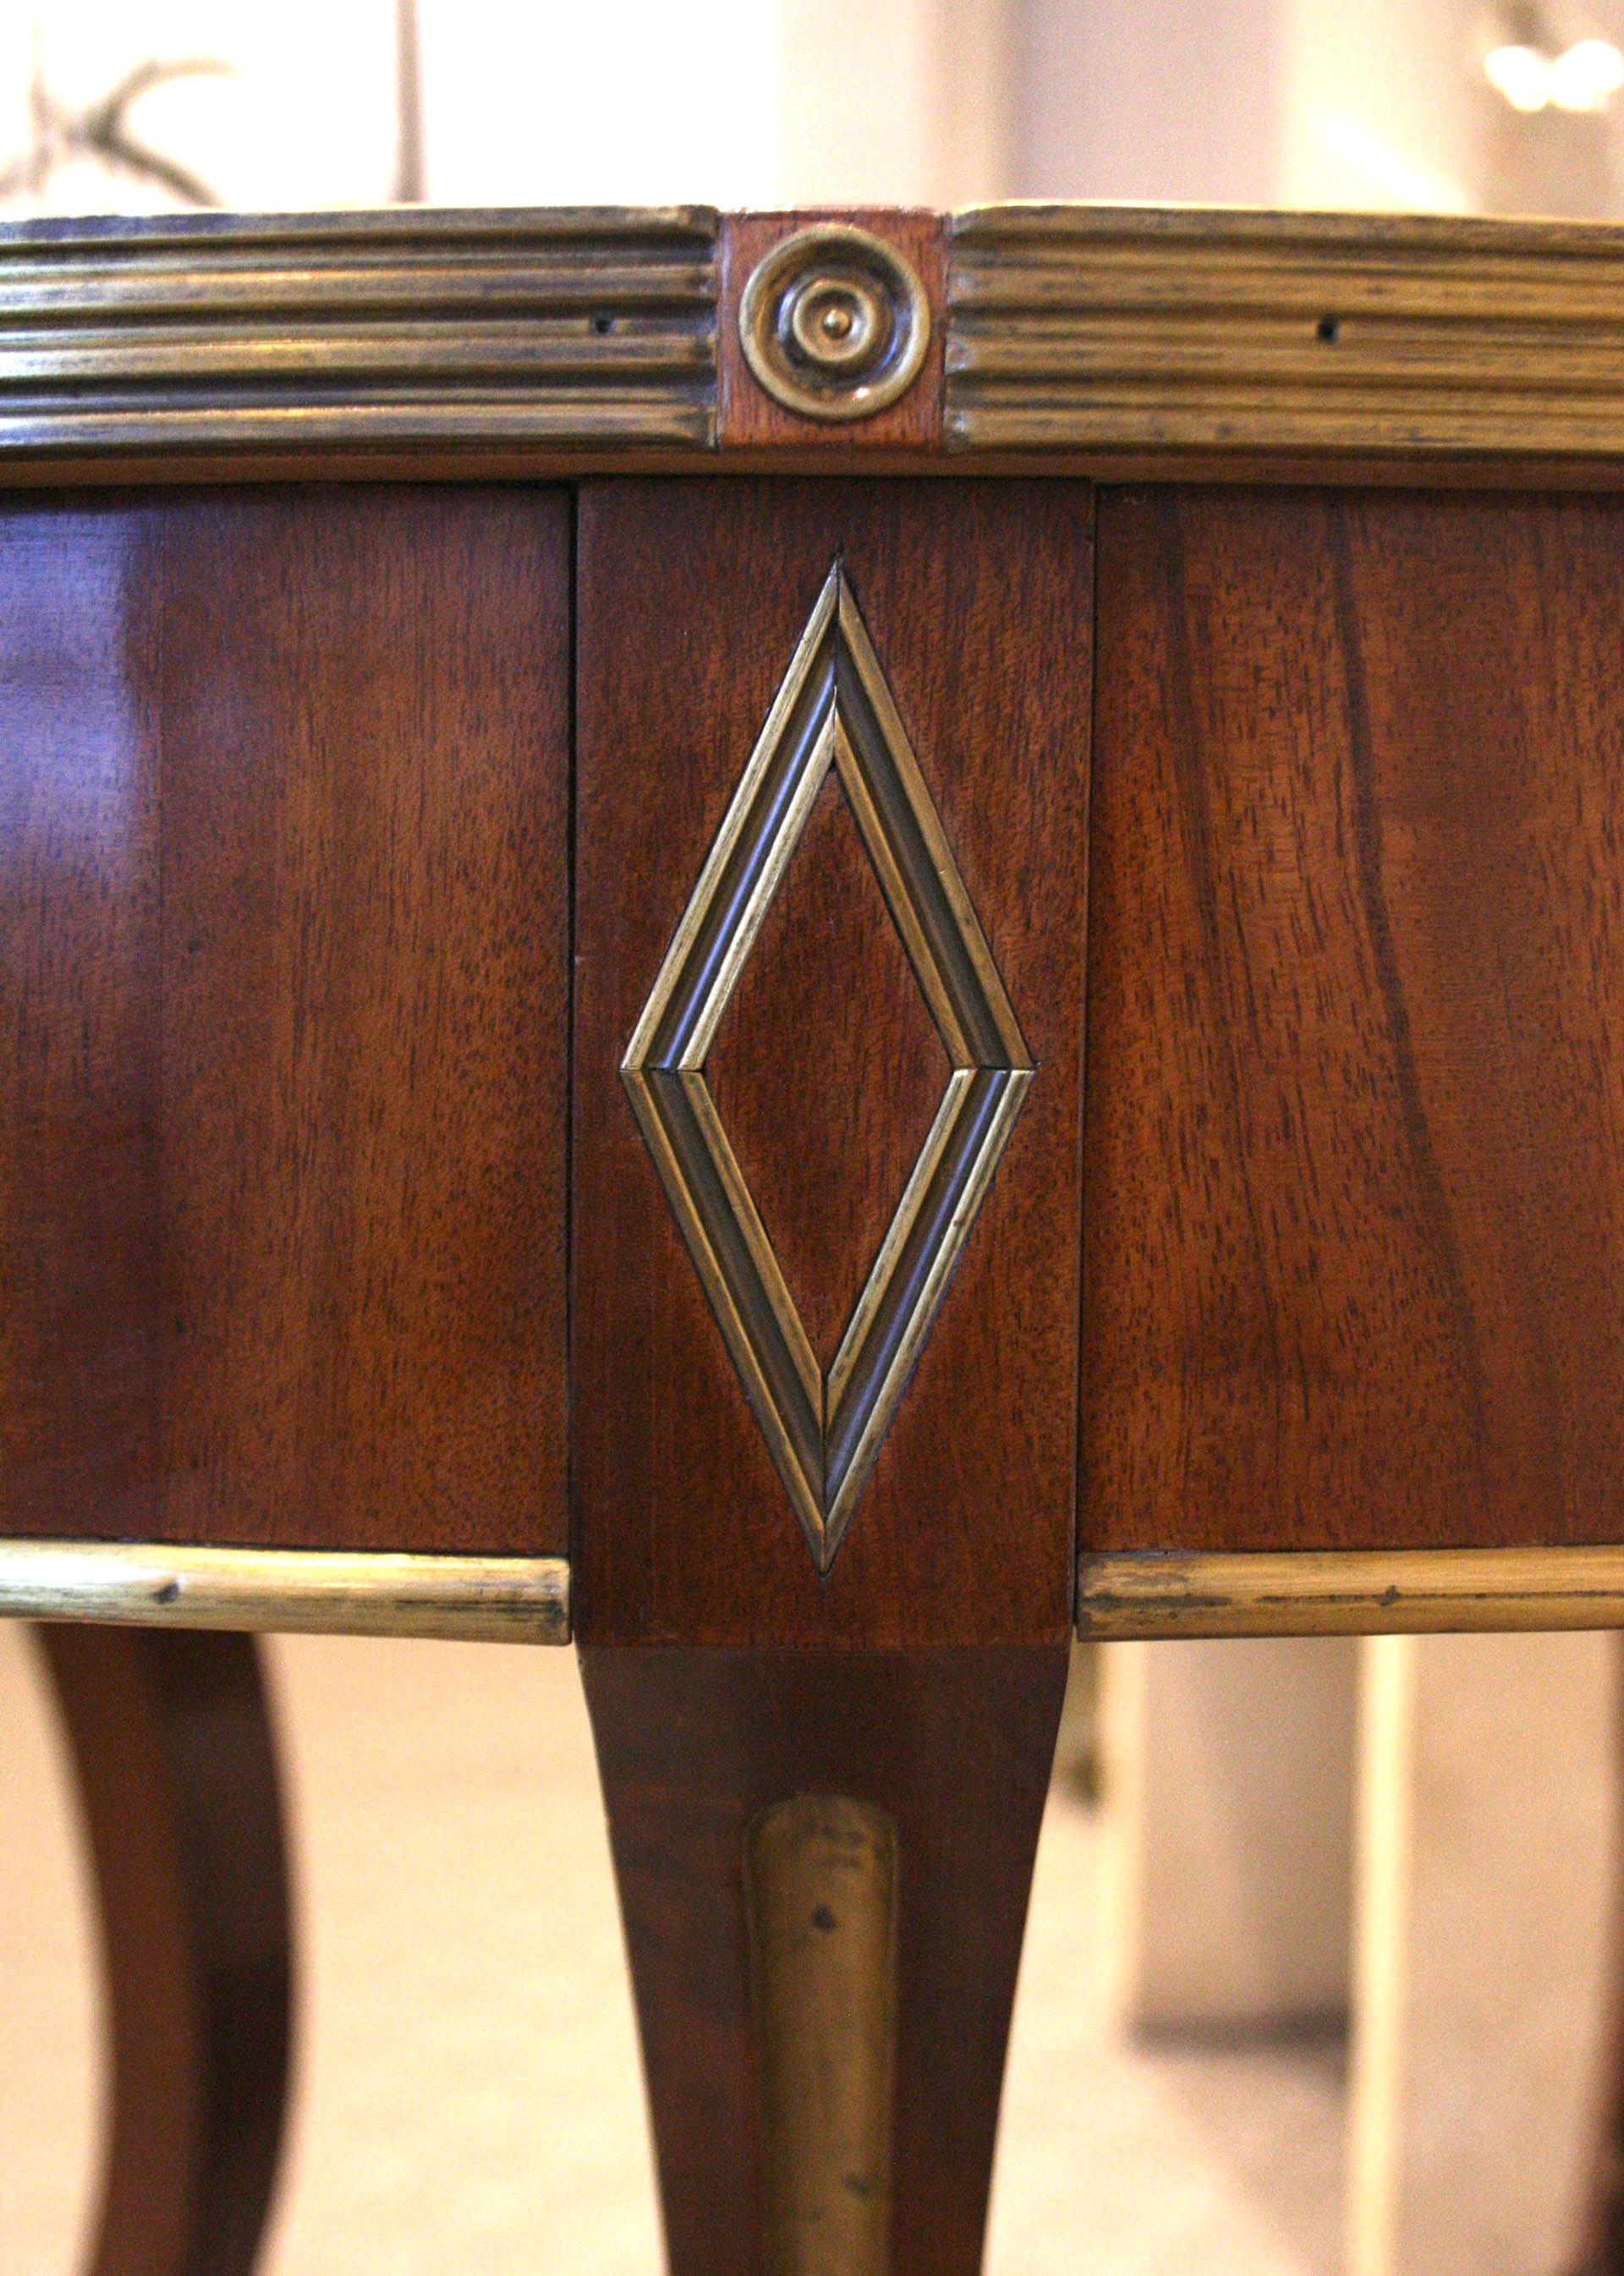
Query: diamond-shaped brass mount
[{"x": 833, "y": 710}]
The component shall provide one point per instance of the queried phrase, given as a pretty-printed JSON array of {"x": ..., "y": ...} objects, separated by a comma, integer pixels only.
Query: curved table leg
[
  {"x": 1600, "y": 2250},
  {"x": 177, "y": 1779}
]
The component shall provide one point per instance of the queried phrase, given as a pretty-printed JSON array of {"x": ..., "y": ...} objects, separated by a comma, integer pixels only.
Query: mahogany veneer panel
[
  {"x": 80, "y": 1254},
  {"x": 1354, "y": 1154},
  {"x": 691, "y": 601},
  {"x": 284, "y": 787},
  {"x": 789, "y": 1109}
]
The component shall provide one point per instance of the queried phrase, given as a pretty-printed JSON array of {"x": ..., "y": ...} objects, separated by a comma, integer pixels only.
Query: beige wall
[
  {"x": 1369, "y": 104},
  {"x": 625, "y": 102},
  {"x": 893, "y": 101},
  {"x": 307, "y": 115},
  {"x": 1373, "y": 103},
  {"x": 1117, "y": 99},
  {"x": 1381, "y": 105}
]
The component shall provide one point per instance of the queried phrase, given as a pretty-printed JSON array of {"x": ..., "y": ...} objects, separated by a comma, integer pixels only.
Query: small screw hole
[
  {"x": 603, "y": 325},
  {"x": 1328, "y": 328}
]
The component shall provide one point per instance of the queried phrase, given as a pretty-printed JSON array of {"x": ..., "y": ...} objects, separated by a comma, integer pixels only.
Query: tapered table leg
[
  {"x": 1601, "y": 2249},
  {"x": 825, "y": 1231},
  {"x": 823, "y": 1861},
  {"x": 177, "y": 1780}
]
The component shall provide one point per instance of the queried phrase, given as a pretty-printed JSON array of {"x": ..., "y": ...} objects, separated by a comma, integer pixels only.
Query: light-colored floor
[{"x": 469, "y": 2097}]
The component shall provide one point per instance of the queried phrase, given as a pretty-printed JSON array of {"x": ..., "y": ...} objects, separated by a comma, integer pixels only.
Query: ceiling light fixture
[
  {"x": 1521, "y": 73},
  {"x": 1587, "y": 76},
  {"x": 1527, "y": 68}
]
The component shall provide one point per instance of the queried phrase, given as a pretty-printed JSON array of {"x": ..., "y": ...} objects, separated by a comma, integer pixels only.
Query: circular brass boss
[{"x": 834, "y": 323}]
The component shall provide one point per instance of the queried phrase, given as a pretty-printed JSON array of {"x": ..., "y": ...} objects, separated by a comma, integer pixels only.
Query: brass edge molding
[
  {"x": 834, "y": 323},
  {"x": 1099, "y": 328},
  {"x": 1093, "y": 331},
  {"x": 208, "y": 332},
  {"x": 821, "y": 1886},
  {"x": 833, "y": 714},
  {"x": 1347, "y": 1592},
  {"x": 320, "y": 1592}
]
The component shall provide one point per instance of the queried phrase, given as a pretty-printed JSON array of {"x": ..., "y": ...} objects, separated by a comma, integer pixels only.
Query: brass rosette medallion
[{"x": 834, "y": 323}]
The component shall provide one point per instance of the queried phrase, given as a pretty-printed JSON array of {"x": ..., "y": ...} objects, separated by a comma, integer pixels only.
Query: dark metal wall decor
[
  {"x": 102, "y": 133},
  {"x": 833, "y": 710}
]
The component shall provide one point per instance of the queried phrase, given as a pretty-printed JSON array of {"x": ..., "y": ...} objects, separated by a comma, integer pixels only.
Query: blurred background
[
  {"x": 1321, "y": 1970},
  {"x": 1448, "y": 106}
]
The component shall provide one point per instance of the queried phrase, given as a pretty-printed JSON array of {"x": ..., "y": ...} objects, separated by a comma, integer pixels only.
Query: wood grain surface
[
  {"x": 80, "y": 1349},
  {"x": 177, "y": 1785},
  {"x": 691, "y": 601},
  {"x": 283, "y": 786},
  {"x": 1355, "y": 1152},
  {"x": 955, "y": 1747},
  {"x": 862, "y": 1125}
]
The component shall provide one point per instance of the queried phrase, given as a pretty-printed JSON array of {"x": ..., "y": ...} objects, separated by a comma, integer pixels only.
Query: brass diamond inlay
[{"x": 834, "y": 710}]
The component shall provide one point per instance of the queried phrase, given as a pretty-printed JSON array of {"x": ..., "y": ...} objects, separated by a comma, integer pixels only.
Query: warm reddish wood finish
[
  {"x": 1600, "y": 2249},
  {"x": 955, "y": 1747},
  {"x": 748, "y": 416},
  {"x": 691, "y": 601},
  {"x": 283, "y": 846},
  {"x": 1354, "y": 1155},
  {"x": 80, "y": 1345},
  {"x": 176, "y": 1782},
  {"x": 286, "y": 1002},
  {"x": 858, "y": 1118}
]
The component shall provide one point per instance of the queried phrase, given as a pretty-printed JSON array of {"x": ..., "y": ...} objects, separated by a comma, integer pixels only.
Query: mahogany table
[{"x": 572, "y": 788}]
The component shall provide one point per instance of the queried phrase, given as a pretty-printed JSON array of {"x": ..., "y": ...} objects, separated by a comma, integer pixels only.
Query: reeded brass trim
[
  {"x": 833, "y": 713},
  {"x": 1076, "y": 330},
  {"x": 821, "y": 1880},
  {"x": 1110, "y": 328},
  {"x": 326, "y": 1592},
  {"x": 834, "y": 323},
  {"x": 1348, "y": 1592},
  {"x": 212, "y": 332}
]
